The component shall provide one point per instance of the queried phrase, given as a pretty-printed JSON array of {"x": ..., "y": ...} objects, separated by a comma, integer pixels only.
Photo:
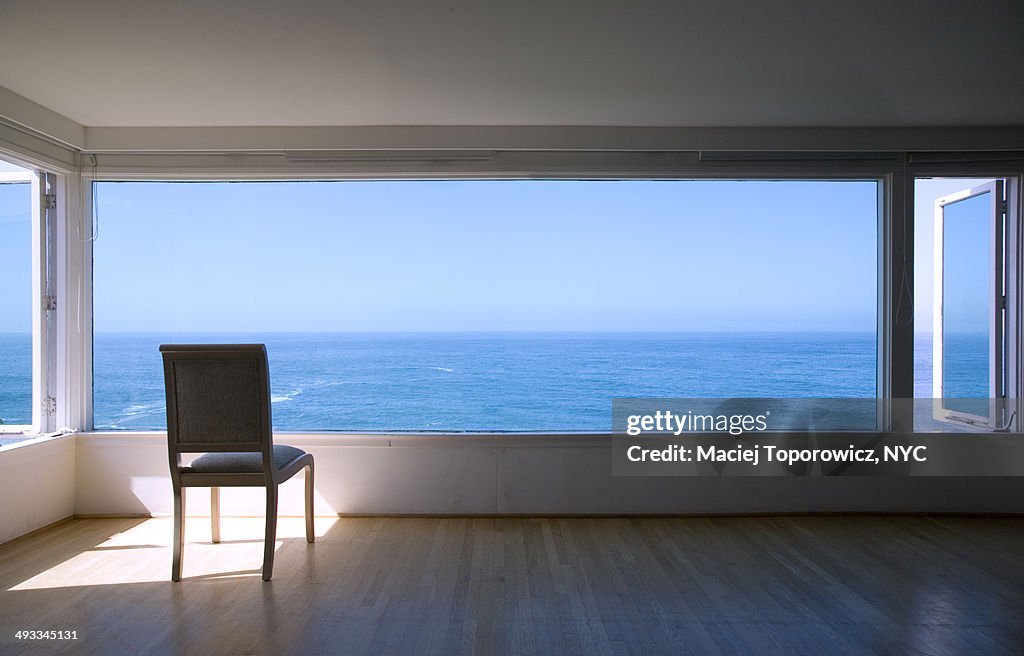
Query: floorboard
[{"x": 617, "y": 586}]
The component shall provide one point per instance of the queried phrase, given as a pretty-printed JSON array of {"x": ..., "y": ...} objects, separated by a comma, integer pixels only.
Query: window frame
[
  {"x": 897, "y": 166},
  {"x": 1009, "y": 168},
  {"x": 996, "y": 310},
  {"x": 40, "y": 266},
  {"x": 890, "y": 381}
]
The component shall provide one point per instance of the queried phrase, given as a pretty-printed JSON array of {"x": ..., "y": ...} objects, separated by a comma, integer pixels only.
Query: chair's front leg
[
  {"x": 270, "y": 539},
  {"x": 179, "y": 533},
  {"x": 310, "y": 537},
  {"x": 215, "y": 514}
]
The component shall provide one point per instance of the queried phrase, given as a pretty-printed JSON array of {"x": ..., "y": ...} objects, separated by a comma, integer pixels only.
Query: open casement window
[
  {"x": 969, "y": 308},
  {"x": 27, "y": 214}
]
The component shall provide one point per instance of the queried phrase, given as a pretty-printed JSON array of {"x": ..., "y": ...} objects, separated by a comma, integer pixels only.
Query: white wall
[
  {"x": 127, "y": 474},
  {"x": 37, "y": 485}
]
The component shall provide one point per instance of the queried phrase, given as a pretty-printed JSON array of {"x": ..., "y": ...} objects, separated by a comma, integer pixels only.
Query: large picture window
[{"x": 488, "y": 305}]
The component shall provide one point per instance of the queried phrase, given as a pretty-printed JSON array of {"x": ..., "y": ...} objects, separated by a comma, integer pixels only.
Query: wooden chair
[{"x": 218, "y": 404}]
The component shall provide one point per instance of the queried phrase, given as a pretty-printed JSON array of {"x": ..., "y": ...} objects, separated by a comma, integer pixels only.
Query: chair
[{"x": 218, "y": 403}]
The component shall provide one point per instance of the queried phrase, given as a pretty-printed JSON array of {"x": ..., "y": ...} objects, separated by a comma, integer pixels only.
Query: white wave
[
  {"x": 139, "y": 409},
  {"x": 444, "y": 369},
  {"x": 281, "y": 398}
]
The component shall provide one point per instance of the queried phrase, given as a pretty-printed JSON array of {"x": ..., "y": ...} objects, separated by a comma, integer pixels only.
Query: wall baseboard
[
  {"x": 731, "y": 515},
  {"x": 37, "y": 531}
]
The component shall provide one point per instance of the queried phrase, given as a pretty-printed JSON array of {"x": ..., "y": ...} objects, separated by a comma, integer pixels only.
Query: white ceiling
[{"x": 518, "y": 62}]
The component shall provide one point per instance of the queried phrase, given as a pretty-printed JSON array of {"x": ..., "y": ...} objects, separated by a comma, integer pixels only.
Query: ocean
[{"x": 454, "y": 382}]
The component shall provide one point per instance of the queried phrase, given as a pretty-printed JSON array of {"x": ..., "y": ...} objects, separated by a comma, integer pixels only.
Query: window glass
[
  {"x": 967, "y": 292},
  {"x": 476, "y": 305},
  {"x": 15, "y": 298}
]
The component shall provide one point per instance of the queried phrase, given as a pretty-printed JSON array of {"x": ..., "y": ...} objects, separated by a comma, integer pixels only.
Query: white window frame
[
  {"x": 890, "y": 383},
  {"x": 897, "y": 168},
  {"x": 996, "y": 336},
  {"x": 41, "y": 250}
]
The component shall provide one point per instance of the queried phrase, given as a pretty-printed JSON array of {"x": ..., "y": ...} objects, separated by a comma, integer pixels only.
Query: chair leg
[
  {"x": 310, "y": 537},
  {"x": 270, "y": 539},
  {"x": 179, "y": 533},
  {"x": 215, "y": 514}
]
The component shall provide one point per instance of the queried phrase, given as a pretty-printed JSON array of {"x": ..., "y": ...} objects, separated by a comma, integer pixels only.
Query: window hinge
[
  {"x": 49, "y": 405},
  {"x": 50, "y": 201},
  {"x": 1002, "y": 207},
  {"x": 1002, "y": 302},
  {"x": 49, "y": 303}
]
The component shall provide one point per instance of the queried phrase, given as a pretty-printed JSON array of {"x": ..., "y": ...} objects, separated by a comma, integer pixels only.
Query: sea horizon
[
  {"x": 481, "y": 381},
  {"x": 490, "y": 381}
]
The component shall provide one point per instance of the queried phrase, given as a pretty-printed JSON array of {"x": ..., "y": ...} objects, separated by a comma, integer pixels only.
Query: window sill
[
  {"x": 15, "y": 441},
  {"x": 341, "y": 439},
  {"x": 331, "y": 439}
]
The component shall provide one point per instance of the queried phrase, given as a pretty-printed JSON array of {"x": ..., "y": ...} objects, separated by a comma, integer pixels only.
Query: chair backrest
[{"x": 218, "y": 398}]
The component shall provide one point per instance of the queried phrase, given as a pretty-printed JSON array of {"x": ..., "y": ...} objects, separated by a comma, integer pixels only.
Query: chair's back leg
[
  {"x": 270, "y": 539},
  {"x": 179, "y": 533},
  {"x": 310, "y": 537},
  {"x": 215, "y": 514}
]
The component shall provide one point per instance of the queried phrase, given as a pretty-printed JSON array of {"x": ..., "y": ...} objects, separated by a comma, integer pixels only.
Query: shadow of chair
[{"x": 218, "y": 404}]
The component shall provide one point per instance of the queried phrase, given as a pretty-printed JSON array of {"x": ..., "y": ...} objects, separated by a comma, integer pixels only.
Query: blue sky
[
  {"x": 926, "y": 192},
  {"x": 353, "y": 258},
  {"x": 485, "y": 255},
  {"x": 15, "y": 257}
]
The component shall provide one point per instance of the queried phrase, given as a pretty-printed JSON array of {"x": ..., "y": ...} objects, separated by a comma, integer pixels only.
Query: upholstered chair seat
[{"x": 238, "y": 463}]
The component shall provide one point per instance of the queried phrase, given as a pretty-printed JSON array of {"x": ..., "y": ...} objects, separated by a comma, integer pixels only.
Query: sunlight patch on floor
[{"x": 142, "y": 554}]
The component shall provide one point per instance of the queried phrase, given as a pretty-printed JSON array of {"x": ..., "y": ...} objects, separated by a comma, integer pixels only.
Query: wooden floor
[{"x": 796, "y": 585}]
